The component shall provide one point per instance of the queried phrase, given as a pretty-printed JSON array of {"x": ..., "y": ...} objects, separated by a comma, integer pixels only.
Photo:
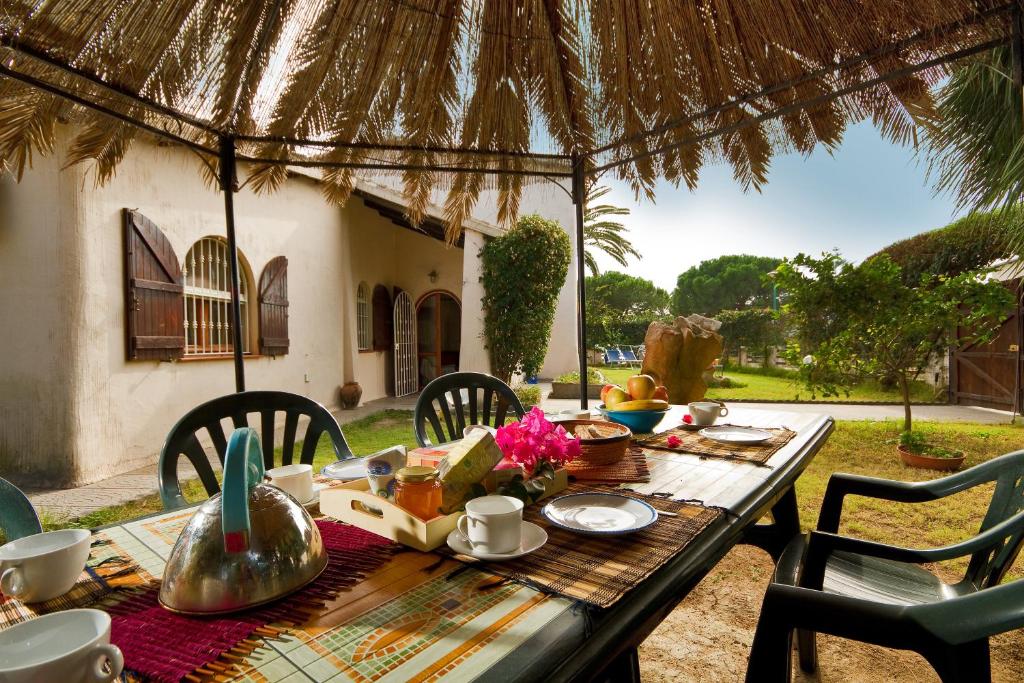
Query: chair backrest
[
  {"x": 486, "y": 401},
  {"x": 629, "y": 355},
  {"x": 17, "y": 516},
  {"x": 183, "y": 439},
  {"x": 988, "y": 567}
]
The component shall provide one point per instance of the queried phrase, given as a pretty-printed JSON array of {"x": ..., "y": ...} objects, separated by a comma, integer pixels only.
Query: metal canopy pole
[
  {"x": 1017, "y": 53},
  {"x": 227, "y": 185},
  {"x": 579, "y": 196}
]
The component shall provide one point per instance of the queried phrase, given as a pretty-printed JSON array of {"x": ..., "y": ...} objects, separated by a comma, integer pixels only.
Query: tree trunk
[{"x": 905, "y": 390}]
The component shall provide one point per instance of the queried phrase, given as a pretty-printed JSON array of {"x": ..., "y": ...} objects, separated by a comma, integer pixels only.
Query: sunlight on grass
[{"x": 762, "y": 387}]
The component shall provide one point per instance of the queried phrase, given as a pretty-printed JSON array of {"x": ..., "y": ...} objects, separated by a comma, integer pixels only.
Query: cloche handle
[{"x": 243, "y": 469}]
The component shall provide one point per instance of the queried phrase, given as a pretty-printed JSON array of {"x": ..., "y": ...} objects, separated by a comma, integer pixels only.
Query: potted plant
[
  {"x": 915, "y": 451},
  {"x": 568, "y": 385}
]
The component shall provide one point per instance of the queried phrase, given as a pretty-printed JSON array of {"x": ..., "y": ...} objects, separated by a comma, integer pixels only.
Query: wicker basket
[{"x": 606, "y": 449}]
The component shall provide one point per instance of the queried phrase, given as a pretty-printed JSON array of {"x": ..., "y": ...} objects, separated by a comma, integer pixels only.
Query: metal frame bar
[
  {"x": 805, "y": 104},
  {"x": 579, "y": 198},
  {"x": 878, "y": 53},
  {"x": 227, "y": 185}
]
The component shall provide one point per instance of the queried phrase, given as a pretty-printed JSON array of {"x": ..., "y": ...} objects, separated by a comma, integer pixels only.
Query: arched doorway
[{"x": 438, "y": 335}]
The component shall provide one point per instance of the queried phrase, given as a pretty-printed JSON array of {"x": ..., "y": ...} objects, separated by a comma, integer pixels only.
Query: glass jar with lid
[{"x": 418, "y": 491}]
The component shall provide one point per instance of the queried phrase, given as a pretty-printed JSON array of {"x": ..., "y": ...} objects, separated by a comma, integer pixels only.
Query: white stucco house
[{"x": 88, "y": 391}]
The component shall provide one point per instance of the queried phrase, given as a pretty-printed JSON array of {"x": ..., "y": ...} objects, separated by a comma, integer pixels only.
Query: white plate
[
  {"x": 349, "y": 469},
  {"x": 315, "y": 500},
  {"x": 740, "y": 436},
  {"x": 601, "y": 514},
  {"x": 533, "y": 538}
]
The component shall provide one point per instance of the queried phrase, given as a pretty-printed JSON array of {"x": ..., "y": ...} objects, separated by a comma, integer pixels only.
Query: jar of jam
[{"x": 418, "y": 491}]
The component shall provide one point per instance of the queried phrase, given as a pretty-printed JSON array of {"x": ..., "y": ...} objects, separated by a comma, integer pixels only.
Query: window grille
[
  {"x": 363, "y": 329},
  {"x": 207, "y": 276}
]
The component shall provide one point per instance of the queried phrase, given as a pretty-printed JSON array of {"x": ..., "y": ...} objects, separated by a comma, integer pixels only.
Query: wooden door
[
  {"x": 986, "y": 375},
  {"x": 405, "y": 345},
  {"x": 438, "y": 335}
]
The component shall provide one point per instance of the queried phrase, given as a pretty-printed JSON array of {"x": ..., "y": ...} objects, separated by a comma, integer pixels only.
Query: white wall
[{"x": 72, "y": 408}]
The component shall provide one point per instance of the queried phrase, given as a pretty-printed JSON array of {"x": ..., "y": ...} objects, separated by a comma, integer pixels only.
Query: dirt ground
[{"x": 707, "y": 638}]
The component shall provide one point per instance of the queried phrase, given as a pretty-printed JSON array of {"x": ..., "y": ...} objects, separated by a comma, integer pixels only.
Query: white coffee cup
[
  {"x": 295, "y": 480},
  {"x": 704, "y": 413},
  {"x": 70, "y": 647},
  {"x": 43, "y": 566},
  {"x": 493, "y": 524}
]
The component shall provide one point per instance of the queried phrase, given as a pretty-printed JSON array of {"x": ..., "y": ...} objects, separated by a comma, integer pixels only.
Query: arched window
[
  {"x": 207, "y": 276},
  {"x": 364, "y": 331}
]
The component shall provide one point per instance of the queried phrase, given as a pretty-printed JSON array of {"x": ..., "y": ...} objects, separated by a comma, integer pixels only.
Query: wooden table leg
[{"x": 773, "y": 538}]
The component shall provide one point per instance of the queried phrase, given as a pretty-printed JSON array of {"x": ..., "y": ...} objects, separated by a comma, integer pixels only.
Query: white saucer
[
  {"x": 740, "y": 436},
  {"x": 533, "y": 537},
  {"x": 315, "y": 500},
  {"x": 600, "y": 514}
]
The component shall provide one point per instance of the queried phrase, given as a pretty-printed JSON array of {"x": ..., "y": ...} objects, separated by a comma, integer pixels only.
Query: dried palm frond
[{"x": 451, "y": 93}]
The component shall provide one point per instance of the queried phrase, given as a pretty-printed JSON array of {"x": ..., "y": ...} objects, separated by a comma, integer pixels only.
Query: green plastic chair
[
  {"x": 17, "y": 516},
  {"x": 879, "y": 594},
  {"x": 462, "y": 399},
  {"x": 183, "y": 439}
]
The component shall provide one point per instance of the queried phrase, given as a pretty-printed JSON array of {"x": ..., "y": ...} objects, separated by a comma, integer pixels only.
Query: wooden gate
[
  {"x": 986, "y": 375},
  {"x": 405, "y": 346}
]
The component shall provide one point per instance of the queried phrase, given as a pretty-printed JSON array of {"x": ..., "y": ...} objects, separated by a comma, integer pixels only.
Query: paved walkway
[{"x": 126, "y": 487}]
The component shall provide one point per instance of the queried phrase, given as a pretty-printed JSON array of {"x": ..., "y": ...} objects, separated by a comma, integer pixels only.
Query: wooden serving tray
[{"x": 354, "y": 503}]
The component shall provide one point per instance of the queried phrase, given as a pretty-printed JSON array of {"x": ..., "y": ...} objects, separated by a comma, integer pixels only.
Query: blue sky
[{"x": 865, "y": 195}]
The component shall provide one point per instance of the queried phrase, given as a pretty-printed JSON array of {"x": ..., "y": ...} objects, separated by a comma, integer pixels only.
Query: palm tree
[
  {"x": 976, "y": 146},
  {"x": 602, "y": 234}
]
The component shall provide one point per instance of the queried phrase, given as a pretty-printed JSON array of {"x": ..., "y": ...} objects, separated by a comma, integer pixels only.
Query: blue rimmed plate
[{"x": 600, "y": 514}]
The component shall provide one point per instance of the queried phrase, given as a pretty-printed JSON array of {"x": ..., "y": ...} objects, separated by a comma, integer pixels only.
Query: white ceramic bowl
[
  {"x": 43, "y": 566},
  {"x": 69, "y": 647}
]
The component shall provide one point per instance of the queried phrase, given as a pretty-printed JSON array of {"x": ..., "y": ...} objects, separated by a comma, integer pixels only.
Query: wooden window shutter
[
  {"x": 154, "y": 295},
  {"x": 383, "y": 319},
  {"x": 274, "y": 307}
]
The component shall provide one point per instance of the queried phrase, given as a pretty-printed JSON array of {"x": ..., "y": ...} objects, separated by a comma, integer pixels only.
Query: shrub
[
  {"x": 593, "y": 377},
  {"x": 529, "y": 395},
  {"x": 523, "y": 272}
]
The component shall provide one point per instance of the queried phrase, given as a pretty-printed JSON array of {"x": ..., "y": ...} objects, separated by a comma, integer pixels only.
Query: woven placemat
[
  {"x": 692, "y": 442},
  {"x": 632, "y": 468},
  {"x": 109, "y": 570},
  {"x": 599, "y": 570}
]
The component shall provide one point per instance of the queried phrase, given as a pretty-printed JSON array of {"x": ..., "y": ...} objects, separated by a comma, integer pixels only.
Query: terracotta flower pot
[
  {"x": 351, "y": 392},
  {"x": 930, "y": 462}
]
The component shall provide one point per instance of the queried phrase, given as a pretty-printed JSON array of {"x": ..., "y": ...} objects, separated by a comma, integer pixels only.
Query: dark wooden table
[{"x": 571, "y": 649}]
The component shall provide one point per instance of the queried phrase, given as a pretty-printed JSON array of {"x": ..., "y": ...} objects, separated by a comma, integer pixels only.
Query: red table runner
[{"x": 164, "y": 646}]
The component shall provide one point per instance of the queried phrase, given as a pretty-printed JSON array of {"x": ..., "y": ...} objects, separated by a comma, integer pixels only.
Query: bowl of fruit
[{"x": 640, "y": 406}]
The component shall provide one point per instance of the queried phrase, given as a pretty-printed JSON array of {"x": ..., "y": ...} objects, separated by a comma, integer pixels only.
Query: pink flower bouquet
[{"x": 533, "y": 441}]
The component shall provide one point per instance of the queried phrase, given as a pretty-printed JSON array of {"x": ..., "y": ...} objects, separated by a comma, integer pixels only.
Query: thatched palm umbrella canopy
[{"x": 468, "y": 94}]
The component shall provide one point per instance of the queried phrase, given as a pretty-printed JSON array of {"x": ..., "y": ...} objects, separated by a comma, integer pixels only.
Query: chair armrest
[
  {"x": 822, "y": 544},
  {"x": 841, "y": 485},
  {"x": 985, "y": 613}
]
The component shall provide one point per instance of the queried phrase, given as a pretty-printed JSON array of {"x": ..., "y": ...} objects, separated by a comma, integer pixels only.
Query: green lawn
[
  {"x": 756, "y": 386},
  {"x": 859, "y": 447}
]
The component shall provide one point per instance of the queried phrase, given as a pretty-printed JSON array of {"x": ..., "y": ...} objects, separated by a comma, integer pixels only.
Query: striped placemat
[
  {"x": 599, "y": 570},
  {"x": 632, "y": 468},
  {"x": 687, "y": 441}
]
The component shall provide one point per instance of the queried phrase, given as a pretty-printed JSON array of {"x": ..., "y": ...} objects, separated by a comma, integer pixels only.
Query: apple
[
  {"x": 661, "y": 393},
  {"x": 640, "y": 387},
  {"x": 606, "y": 388},
  {"x": 614, "y": 397}
]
